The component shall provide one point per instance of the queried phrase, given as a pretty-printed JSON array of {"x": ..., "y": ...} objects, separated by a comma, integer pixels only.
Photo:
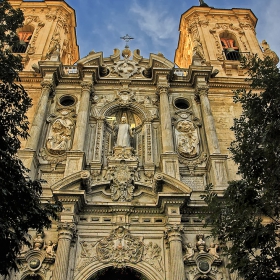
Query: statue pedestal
[{"x": 123, "y": 155}]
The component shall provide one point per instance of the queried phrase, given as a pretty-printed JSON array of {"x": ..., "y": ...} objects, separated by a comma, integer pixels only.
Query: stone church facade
[{"x": 128, "y": 144}]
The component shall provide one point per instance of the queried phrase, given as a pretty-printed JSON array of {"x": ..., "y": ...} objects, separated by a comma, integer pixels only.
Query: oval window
[
  {"x": 181, "y": 103},
  {"x": 67, "y": 100}
]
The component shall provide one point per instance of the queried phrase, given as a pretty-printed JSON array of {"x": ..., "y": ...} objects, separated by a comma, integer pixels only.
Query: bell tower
[
  {"x": 219, "y": 36},
  {"x": 48, "y": 32}
]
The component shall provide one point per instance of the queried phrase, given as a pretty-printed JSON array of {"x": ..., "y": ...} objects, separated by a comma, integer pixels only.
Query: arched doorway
[{"x": 111, "y": 273}]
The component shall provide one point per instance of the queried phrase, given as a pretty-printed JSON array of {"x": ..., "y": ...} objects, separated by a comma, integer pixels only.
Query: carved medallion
[
  {"x": 119, "y": 248},
  {"x": 127, "y": 68}
]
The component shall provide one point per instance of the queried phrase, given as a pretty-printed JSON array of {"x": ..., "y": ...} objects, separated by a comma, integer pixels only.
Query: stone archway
[{"x": 125, "y": 273}]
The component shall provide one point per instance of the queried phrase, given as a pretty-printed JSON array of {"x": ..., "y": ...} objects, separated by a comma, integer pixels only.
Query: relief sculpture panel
[
  {"x": 187, "y": 140},
  {"x": 59, "y": 140}
]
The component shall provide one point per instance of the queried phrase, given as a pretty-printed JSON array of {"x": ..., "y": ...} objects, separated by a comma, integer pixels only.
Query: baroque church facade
[{"x": 128, "y": 144}]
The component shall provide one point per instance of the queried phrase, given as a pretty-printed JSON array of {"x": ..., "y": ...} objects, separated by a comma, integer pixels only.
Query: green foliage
[
  {"x": 247, "y": 217},
  {"x": 20, "y": 205},
  {"x": 10, "y": 21}
]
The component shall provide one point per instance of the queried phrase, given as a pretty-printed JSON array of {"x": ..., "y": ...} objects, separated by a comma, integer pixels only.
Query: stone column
[
  {"x": 165, "y": 118},
  {"x": 40, "y": 116},
  {"x": 210, "y": 129},
  {"x": 82, "y": 118},
  {"x": 65, "y": 235},
  {"x": 173, "y": 234}
]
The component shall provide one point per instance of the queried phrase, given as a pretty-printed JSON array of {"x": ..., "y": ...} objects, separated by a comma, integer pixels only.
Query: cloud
[{"x": 155, "y": 21}]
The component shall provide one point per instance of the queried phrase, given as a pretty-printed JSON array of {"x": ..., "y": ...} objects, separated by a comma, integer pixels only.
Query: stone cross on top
[{"x": 126, "y": 38}]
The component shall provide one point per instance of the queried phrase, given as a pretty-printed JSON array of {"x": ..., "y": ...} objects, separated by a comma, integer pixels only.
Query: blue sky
[{"x": 154, "y": 23}]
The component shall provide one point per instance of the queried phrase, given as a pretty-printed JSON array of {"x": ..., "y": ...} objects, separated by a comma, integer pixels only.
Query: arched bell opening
[
  {"x": 125, "y": 273},
  {"x": 230, "y": 46},
  {"x": 25, "y": 34}
]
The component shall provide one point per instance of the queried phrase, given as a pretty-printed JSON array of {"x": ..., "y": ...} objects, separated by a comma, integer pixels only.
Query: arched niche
[
  {"x": 25, "y": 34},
  {"x": 125, "y": 273},
  {"x": 32, "y": 277},
  {"x": 94, "y": 270},
  {"x": 136, "y": 115},
  {"x": 135, "y": 108},
  {"x": 230, "y": 45}
]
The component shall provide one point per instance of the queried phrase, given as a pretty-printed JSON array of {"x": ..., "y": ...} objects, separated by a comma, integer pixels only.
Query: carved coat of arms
[
  {"x": 119, "y": 248},
  {"x": 122, "y": 188}
]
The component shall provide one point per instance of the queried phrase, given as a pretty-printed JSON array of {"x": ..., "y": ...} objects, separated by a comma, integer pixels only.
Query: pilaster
[
  {"x": 82, "y": 118},
  {"x": 208, "y": 120},
  {"x": 169, "y": 159},
  {"x": 40, "y": 116}
]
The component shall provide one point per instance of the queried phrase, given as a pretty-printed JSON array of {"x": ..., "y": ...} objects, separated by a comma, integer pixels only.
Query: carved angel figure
[
  {"x": 152, "y": 255},
  {"x": 189, "y": 252},
  {"x": 213, "y": 250},
  {"x": 187, "y": 139},
  {"x": 50, "y": 249}
]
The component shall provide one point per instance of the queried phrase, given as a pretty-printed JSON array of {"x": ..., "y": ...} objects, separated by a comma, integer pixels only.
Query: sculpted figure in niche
[
  {"x": 123, "y": 133},
  {"x": 59, "y": 139},
  {"x": 187, "y": 139}
]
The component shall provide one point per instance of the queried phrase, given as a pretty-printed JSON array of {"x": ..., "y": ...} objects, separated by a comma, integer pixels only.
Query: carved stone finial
[
  {"x": 267, "y": 52},
  {"x": 203, "y": 4},
  {"x": 38, "y": 241},
  {"x": 200, "y": 244}
]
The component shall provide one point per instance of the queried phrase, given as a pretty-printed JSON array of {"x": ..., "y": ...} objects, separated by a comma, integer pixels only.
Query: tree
[
  {"x": 20, "y": 205},
  {"x": 247, "y": 217}
]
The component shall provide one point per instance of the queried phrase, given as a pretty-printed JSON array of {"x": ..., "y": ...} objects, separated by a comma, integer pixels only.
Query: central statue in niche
[{"x": 123, "y": 133}]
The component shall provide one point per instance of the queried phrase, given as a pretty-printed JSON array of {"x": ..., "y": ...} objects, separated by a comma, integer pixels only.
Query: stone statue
[{"x": 124, "y": 133}]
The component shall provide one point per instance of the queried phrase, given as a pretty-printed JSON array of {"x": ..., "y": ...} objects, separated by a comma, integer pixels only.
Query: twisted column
[
  {"x": 173, "y": 234},
  {"x": 210, "y": 129},
  {"x": 165, "y": 118},
  {"x": 82, "y": 118},
  {"x": 65, "y": 235},
  {"x": 40, "y": 116}
]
